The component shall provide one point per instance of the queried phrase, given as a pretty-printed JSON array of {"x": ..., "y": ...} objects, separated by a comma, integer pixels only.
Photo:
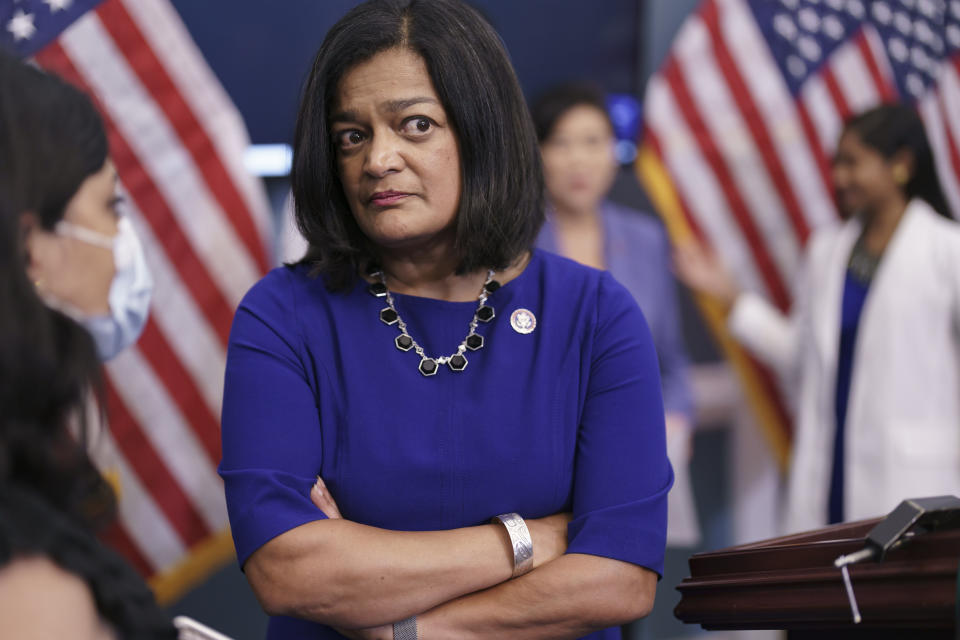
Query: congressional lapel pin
[{"x": 523, "y": 321}]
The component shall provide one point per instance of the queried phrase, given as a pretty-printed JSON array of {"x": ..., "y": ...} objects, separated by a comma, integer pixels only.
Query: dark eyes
[
  {"x": 413, "y": 127},
  {"x": 418, "y": 124}
]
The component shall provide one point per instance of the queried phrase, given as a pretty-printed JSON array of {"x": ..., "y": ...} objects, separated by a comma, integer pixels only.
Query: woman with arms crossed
[{"x": 436, "y": 371}]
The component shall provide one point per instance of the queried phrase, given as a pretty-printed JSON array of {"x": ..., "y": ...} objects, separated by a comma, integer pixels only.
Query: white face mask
[{"x": 130, "y": 290}]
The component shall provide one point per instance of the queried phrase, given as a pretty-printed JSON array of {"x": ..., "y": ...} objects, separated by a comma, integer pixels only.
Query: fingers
[
  {"x": 684, "y": 263},
  {"x": 701, "y": 269},
  {"x": 322, "y": 499}
]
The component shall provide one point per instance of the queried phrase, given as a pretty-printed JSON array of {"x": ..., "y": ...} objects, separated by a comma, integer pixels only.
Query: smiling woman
[
  {"x": 363, "y": 459},
  {"x": 872, "y": 344}
]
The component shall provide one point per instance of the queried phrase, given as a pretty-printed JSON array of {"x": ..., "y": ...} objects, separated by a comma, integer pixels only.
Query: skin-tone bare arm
[
  {"x": 39, "y": 600},
  {"x": 569, "y": 597},
  {"x": 702, "y": 270},
  {"x": 350, "y": 575}
]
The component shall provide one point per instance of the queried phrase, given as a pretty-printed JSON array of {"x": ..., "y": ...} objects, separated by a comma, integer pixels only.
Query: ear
[{"x": 904, "y": 158}]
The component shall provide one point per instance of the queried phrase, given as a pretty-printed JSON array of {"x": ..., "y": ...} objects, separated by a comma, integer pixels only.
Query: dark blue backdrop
[{"x": 262, "y": 50}]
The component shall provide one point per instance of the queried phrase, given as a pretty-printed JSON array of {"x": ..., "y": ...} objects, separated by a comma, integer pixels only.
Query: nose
[{"x": 383, "y": 155}]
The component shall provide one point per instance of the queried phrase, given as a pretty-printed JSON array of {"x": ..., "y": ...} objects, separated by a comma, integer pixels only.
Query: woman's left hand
[{"x": 321, "y": 498}]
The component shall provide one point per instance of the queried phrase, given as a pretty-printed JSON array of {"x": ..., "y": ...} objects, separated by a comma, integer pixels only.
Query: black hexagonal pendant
[
  {"x": 404, "y": 342},
  {"x": 378, "y": 289},
  {"x": 491, "y": 286},
  {"x": 474, "y": 341},
  {"x": 457, "y": 362},
  {"x": 428, "y": 367},
  {"x": 485, "y": 313},
  {"x": 388, "y": 315}
]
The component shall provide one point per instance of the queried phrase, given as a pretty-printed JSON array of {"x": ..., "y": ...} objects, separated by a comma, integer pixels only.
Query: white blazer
[{"x": 903, "y": 413}]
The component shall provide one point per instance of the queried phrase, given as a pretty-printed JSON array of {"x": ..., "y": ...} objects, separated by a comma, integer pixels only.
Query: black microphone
[{"x": 911, "y": 518}]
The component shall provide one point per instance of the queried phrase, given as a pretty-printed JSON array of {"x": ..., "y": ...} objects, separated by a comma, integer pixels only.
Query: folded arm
[
  {"x": 571, "y": 597},
  {"x": 299, "y": 562},
  {"x": 346, "y": 574}
]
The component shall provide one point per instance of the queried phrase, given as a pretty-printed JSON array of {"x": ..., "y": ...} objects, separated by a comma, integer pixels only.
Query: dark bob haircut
[
  {"x": 555, "y": 102},
  {"x": 893, "y": 128},
  {"x": 501, "y": 202}
]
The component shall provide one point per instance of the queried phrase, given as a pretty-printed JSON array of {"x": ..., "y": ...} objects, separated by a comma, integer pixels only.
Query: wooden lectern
[{"x": 791, "y": 583}]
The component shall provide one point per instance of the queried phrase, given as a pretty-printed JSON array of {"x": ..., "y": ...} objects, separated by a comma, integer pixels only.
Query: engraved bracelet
[{"x": 520, "y": 540}]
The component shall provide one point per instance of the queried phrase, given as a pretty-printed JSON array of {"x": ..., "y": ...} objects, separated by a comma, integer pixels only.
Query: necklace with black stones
[{"x": 457, "y": 361}]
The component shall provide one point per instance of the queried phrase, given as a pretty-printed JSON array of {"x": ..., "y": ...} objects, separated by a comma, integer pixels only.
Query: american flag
[
  {"x": 177, "y": 142},
  {"x": 743, "y": 117}
]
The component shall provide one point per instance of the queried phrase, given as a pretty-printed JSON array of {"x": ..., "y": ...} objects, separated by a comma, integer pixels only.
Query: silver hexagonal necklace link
[{"x": 456, "y": 361}]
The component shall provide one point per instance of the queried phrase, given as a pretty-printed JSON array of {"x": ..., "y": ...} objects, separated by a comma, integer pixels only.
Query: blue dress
[
  {"x": 568, "y": 417},
  {"x": 854, "y": 297},
  {"x": 637, "y": 253}
]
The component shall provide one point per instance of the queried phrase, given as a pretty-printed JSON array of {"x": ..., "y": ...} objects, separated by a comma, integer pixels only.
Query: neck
[
  {"x": 576, "y": 216},
  {"x": 880, "y": 226},
  {"x": 429, "y": 272}
]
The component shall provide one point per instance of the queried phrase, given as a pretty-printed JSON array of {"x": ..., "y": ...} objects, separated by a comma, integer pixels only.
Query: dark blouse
[{"x": 568, "y": 417}]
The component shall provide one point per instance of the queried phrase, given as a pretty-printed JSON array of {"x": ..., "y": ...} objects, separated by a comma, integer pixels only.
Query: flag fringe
[{"x": 206, "y": 557}]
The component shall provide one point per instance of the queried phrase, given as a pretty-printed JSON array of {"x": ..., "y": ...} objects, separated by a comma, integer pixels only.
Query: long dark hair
[
  {"x": 892, "y": 128},
  {"x": 51, "y": 140},
  {"x": 501, "y": 207}
]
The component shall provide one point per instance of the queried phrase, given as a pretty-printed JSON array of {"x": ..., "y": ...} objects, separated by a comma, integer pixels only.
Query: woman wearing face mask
[
  {"x": 83, "y": 256},
  {"x": 63, "y": 257},
  {"x": 873, "y": 342}
]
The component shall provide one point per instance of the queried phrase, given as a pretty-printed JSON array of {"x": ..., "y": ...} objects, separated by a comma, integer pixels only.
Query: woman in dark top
[
  {"x": 435, "y": 370},
  {"x": 56, "y": 580}
]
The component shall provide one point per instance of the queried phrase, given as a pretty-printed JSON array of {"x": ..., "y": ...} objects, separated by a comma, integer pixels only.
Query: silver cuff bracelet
[
  {"x": 405, "y": 629},
  {"x": 520, "y": 540}
]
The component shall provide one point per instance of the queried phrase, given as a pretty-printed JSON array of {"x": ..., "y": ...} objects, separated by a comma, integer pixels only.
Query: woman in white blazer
[{"x": 872, "y": 345}]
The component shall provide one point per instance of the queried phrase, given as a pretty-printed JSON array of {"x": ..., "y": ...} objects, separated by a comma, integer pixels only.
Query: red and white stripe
[
  {"x": 205, "y": 97},
  {"x": 945, "y": 119},
  {"x": 177, "y": 143},
  {"x": 750, "y": 161}
]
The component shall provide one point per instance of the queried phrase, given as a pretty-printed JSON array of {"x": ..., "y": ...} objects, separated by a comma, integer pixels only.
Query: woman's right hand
[
  {"x": 702, "y": 270},
  {"x": 549, "y": 537}
]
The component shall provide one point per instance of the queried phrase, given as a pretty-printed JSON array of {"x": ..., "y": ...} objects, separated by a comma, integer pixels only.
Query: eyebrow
[{"x": 393, "y": 106}]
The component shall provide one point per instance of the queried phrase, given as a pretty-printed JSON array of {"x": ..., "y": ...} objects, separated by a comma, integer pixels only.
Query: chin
[{"x": 399, "y": 239}]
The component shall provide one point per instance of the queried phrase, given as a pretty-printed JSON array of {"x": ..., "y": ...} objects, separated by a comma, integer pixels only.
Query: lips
[{"x": 388, "y": 198}]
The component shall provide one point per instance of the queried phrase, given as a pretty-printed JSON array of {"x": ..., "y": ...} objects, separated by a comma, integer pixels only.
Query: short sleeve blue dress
[{"x": 566, "y": 417}]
